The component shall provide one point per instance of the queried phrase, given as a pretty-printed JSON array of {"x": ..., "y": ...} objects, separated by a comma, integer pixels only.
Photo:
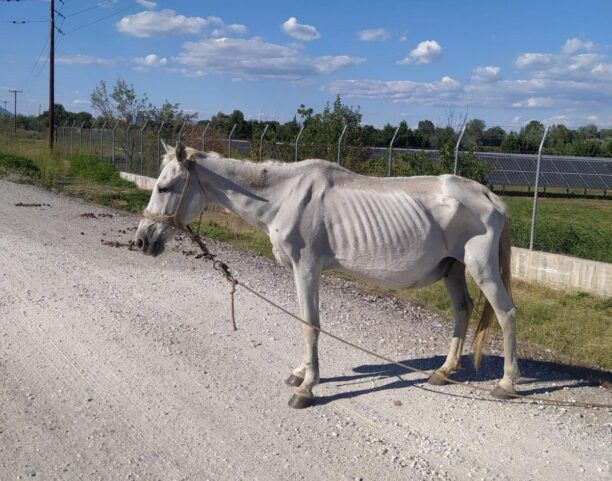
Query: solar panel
[
  {"x": 595, "y": 182},
  {"x": 602, "y": 167},
  {"x": 563, "y": 172}
]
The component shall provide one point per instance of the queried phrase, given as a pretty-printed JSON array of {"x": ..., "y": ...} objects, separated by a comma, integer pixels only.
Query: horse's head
[{"x": 177, "y": 199}]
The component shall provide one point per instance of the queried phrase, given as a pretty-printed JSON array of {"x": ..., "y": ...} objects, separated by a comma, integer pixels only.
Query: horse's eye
[{"x": 161, "y": 190}]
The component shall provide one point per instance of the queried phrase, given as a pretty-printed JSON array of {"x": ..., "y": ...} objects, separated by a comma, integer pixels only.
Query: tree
[
  {"x": 494, "y": 136},
  {"x": 511, "y": 143},
  {"x": 122, "y": 103},
  {"x": 531, "y": 136},
  {"x": 474, "y": 133}
]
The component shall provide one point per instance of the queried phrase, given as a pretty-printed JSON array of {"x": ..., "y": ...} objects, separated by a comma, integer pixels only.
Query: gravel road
[{"x": 118, "y": 366}]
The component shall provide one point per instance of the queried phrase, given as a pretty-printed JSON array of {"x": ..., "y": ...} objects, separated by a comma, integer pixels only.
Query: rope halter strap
[{"x": 173, "y": 219}]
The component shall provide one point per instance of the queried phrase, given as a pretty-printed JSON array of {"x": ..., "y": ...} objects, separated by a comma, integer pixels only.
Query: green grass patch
[
  {"x": 576, "y": 227},
  {"x": 17, "y": 163},
  {"x": 577, "y": 325}
]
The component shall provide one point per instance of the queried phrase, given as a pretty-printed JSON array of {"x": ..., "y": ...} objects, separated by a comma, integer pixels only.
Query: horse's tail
[{"x": 486, "y": 319}]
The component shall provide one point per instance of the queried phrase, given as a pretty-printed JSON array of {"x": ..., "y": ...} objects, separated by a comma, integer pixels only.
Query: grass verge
[{"x": 577, "y": 325}]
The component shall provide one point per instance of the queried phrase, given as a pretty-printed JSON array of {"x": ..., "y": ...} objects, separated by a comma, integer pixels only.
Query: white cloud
[
  {"x": 534, "y": 60},
  {"x": 485, "y": 74},
  {"x": 399, "y": 91},
  {"x": 373, "y": 34},
  {"x": 255, "y": 58},
  {"x": 168, "y": 22},
  {"x": 535, "y": 102},
  {"x": 150, "y": 61},
  {"x": 306, "y": 33},
  {"x": 425, "y": 52},
  {"x": 79, "y": 102},
  {"x": 578, "y": 83},
  {"x": 147, "y": 4},
  {"x": 84, "y": 60},
  {"x": 572, "y": 45}
]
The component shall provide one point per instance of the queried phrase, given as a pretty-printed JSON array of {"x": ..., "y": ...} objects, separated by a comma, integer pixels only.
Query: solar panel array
[
  {"x": 555, "y": 171},
  {"x": 518, "y": 170}
]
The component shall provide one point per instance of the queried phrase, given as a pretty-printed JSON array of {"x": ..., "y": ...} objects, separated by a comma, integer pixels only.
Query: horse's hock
[{"x": 553, "y": 270}]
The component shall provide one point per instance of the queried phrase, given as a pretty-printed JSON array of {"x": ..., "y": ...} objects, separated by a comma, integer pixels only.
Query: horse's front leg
[{"x": 307, "y": 373}]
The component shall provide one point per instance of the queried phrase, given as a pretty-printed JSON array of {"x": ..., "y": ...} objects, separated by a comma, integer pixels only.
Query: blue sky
[{"x": 504, "y": 62}]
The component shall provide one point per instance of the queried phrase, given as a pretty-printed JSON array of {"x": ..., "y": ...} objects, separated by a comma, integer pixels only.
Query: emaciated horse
[{"x": 403, "y": 232}]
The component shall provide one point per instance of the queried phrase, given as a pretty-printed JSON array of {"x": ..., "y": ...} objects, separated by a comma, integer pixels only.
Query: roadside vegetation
[{"x": 576, "y": 325}]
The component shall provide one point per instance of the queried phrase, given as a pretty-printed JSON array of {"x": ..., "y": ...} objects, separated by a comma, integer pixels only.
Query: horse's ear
[
  {"x": 166, "y": 147},
  {"x": 180, "y": 151}
]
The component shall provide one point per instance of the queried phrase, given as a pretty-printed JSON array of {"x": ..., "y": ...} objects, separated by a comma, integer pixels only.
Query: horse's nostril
[{"x": 139, "y": 243}]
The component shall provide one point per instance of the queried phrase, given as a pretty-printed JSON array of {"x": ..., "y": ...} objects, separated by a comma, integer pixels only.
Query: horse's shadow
[{"x": 534, "y": 372}]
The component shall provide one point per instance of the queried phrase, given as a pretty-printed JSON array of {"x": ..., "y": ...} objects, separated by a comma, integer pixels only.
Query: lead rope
[{"x": 224, "y": 269}]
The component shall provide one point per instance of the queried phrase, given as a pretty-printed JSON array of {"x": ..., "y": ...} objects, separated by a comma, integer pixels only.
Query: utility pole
[
  {"x": 4, "y": 102},
  {"x": 52, "y": 75},
  {"x": 15, "y": 115}
]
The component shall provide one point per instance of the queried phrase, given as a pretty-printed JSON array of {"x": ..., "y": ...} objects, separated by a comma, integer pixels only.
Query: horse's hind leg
[
  {"x": 462, "y": 305},
  {"x": 307, "y": 286},
  {"x": 489, "y": 280}
]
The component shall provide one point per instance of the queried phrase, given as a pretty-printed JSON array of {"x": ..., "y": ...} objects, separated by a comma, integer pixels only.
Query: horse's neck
[{"x": 254, "y": 192}]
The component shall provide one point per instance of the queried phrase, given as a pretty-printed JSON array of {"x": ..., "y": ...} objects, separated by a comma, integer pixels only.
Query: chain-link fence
[{"x": 557, "y": 203}]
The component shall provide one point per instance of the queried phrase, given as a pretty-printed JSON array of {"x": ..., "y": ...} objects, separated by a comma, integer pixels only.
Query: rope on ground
[{"x": 223, "y": 268}]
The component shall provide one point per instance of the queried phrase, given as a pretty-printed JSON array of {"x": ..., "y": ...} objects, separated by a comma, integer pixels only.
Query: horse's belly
[
  {"x": 387, "y": 238},
  {"x": 418, "y": 268}
]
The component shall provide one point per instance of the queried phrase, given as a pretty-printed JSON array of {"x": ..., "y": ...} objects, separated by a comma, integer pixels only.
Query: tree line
[{"x": 322, "y": 129}]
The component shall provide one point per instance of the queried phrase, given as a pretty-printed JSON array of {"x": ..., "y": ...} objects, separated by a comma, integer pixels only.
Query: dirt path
[{"x": 117, "y": 366}]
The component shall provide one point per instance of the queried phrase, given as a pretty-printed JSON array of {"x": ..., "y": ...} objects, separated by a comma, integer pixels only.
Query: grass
[
  {"x": 577, "y": 227},
  {"x": 576, "y": 325}
]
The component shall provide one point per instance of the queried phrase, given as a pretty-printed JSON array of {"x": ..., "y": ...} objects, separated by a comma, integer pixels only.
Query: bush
[
  {"x": 90, "y": 168},
  {"x": 19, "y": 164}
]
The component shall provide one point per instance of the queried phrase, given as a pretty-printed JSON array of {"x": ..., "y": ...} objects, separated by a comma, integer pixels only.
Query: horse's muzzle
[{"x": 148, "y": 244}]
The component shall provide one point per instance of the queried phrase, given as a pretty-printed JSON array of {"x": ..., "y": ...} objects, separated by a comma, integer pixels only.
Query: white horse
[{"x": 403, "y": 232}]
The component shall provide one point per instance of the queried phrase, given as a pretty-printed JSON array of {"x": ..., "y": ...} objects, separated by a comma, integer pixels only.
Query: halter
[{"x": 173, "y": 220}]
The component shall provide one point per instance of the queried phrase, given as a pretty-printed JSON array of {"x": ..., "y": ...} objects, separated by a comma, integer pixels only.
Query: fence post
[
  {"x": 128, "y": 159},
  {"x": 141, "y": 142},
  {"x": 297, "y": 142},
  {"x": 390, "y": 161},
  {"x": 113, "y": 142},
  {"x": 91, "y": 128},
  {"x": 229, "y": 141},
  {"x": 340, "y": 144},
  {"x": 161, "y": 126},
  {"x": 180, "y": 131},
  {"x": 455, "y": 169},
  {"x": 64, "y": 149},
  {"x": 102, "y": 141},
  {"x": 81, "y": 137},
  {"x": 261, "y": 139},
  {"x": 71, "y": 133},
  {"x": 204, "y": 136},
  {"x": 535, "y": 193}
]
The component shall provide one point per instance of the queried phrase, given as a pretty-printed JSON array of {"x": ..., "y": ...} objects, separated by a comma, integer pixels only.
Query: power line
[
  {"x": 23, "y": 22},
  {"x": 34, "y": 79},
  {"x": 98, "y": 5},
  {"x": 102, "y": 18}
]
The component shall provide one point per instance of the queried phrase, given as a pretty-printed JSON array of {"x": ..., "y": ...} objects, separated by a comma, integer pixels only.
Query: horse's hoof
[
  {"x": 294, "y": 381},
  {"x": 300, "y": 402},
  {"x": 437, "y": 379},
  {"x": 501, "y": 393}
]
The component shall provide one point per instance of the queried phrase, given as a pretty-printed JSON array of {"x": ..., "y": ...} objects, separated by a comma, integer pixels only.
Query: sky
[{"x": 504, "y": 62}]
